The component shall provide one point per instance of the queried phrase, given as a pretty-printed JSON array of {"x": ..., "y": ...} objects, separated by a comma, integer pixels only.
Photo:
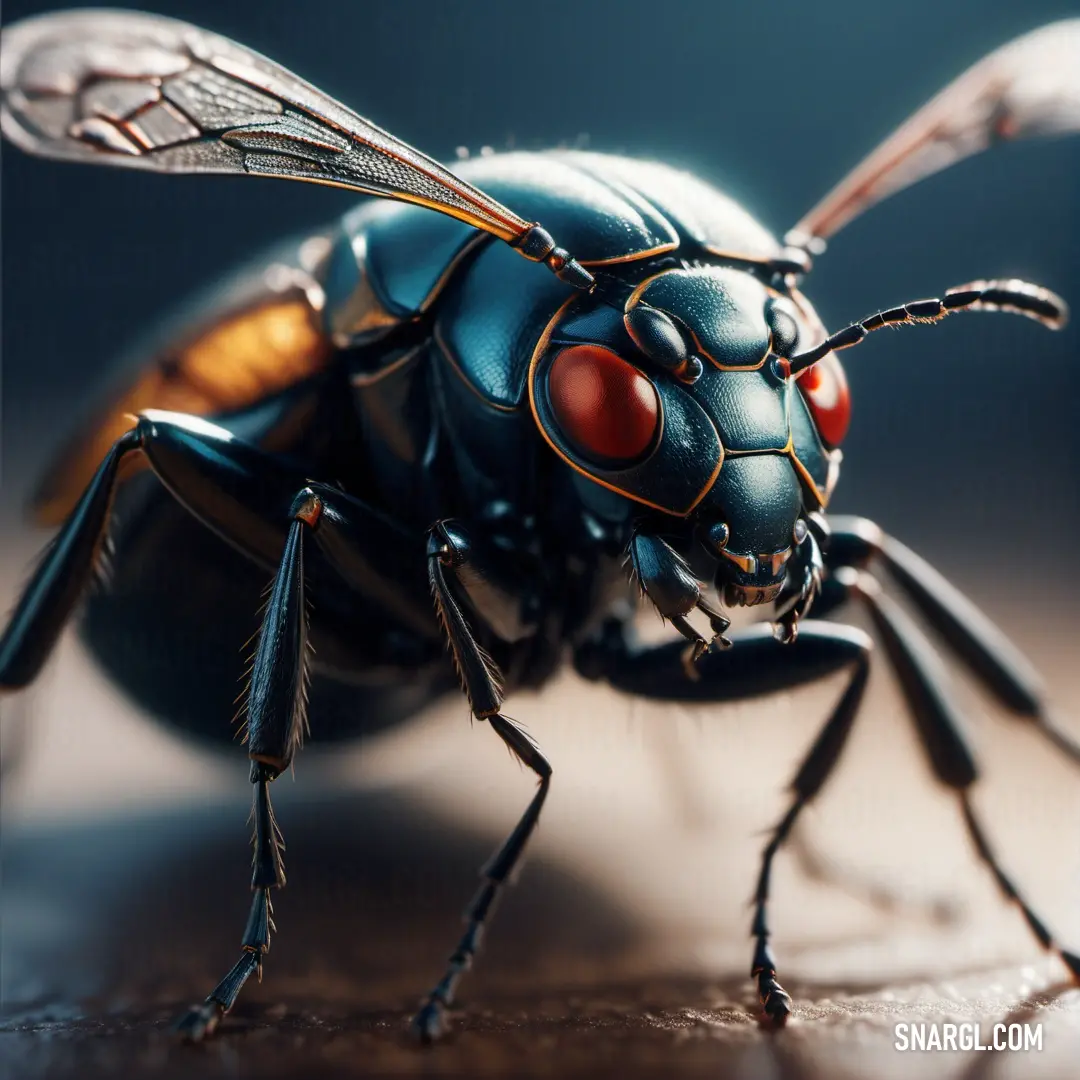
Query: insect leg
[
  {"x": 262, "y": 506},
  {"x": 450, "y": 555},
  {"x": 63, "y": 572},
  {"x": 232, "y": 487},
  {"x": 276, "y": 721},
  {"x": 941, "y": 729},
  {"x": 985, "y": 650},
  {"x": 277, "y": 705},
  {"x": 201, "y": 1020},
  {"x": 236, "y": 490},
  {"x": 756, "y": 664}
]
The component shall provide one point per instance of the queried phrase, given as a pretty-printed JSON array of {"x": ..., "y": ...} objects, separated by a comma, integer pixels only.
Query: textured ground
[{"x": 111, "y": 927}]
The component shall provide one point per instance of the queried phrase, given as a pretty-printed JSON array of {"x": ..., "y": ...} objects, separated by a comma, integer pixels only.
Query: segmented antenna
[{"x": 1014, "y": 296}]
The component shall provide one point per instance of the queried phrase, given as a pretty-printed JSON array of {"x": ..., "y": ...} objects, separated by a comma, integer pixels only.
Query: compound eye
[
  {"x": 604, "y": 406},
  {"x": 825, "y": 389}
]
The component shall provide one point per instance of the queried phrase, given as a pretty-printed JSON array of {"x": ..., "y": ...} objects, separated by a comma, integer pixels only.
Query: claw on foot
[
  {"x": 776, "y": 1005},
  {"x": 431, "y": 1022},
  {"x": 776, "y": 1009},
  {"x": 199, "y": 1021}
]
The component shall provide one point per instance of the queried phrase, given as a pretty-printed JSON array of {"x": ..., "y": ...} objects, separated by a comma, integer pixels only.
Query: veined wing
[
  {"x": 1030, "y": 86},
  {"x": 146, "y": 92}
]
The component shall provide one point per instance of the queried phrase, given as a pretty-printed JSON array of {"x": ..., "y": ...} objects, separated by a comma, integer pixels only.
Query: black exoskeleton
[{"x": 448, "y": 459}]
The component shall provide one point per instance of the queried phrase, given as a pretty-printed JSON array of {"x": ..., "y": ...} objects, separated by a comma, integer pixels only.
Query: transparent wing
[
  {"x": 146, "y": 92},
  {"x": 1030, "y": 86}
]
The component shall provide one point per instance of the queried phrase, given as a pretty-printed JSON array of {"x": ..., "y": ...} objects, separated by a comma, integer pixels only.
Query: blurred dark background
[{"x": 965, "y": 438}]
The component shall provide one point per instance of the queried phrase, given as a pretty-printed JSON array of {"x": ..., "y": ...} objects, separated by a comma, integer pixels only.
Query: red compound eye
[
  {"x": 825, "y": 388},
  {"x": 604, "y": 406}
]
